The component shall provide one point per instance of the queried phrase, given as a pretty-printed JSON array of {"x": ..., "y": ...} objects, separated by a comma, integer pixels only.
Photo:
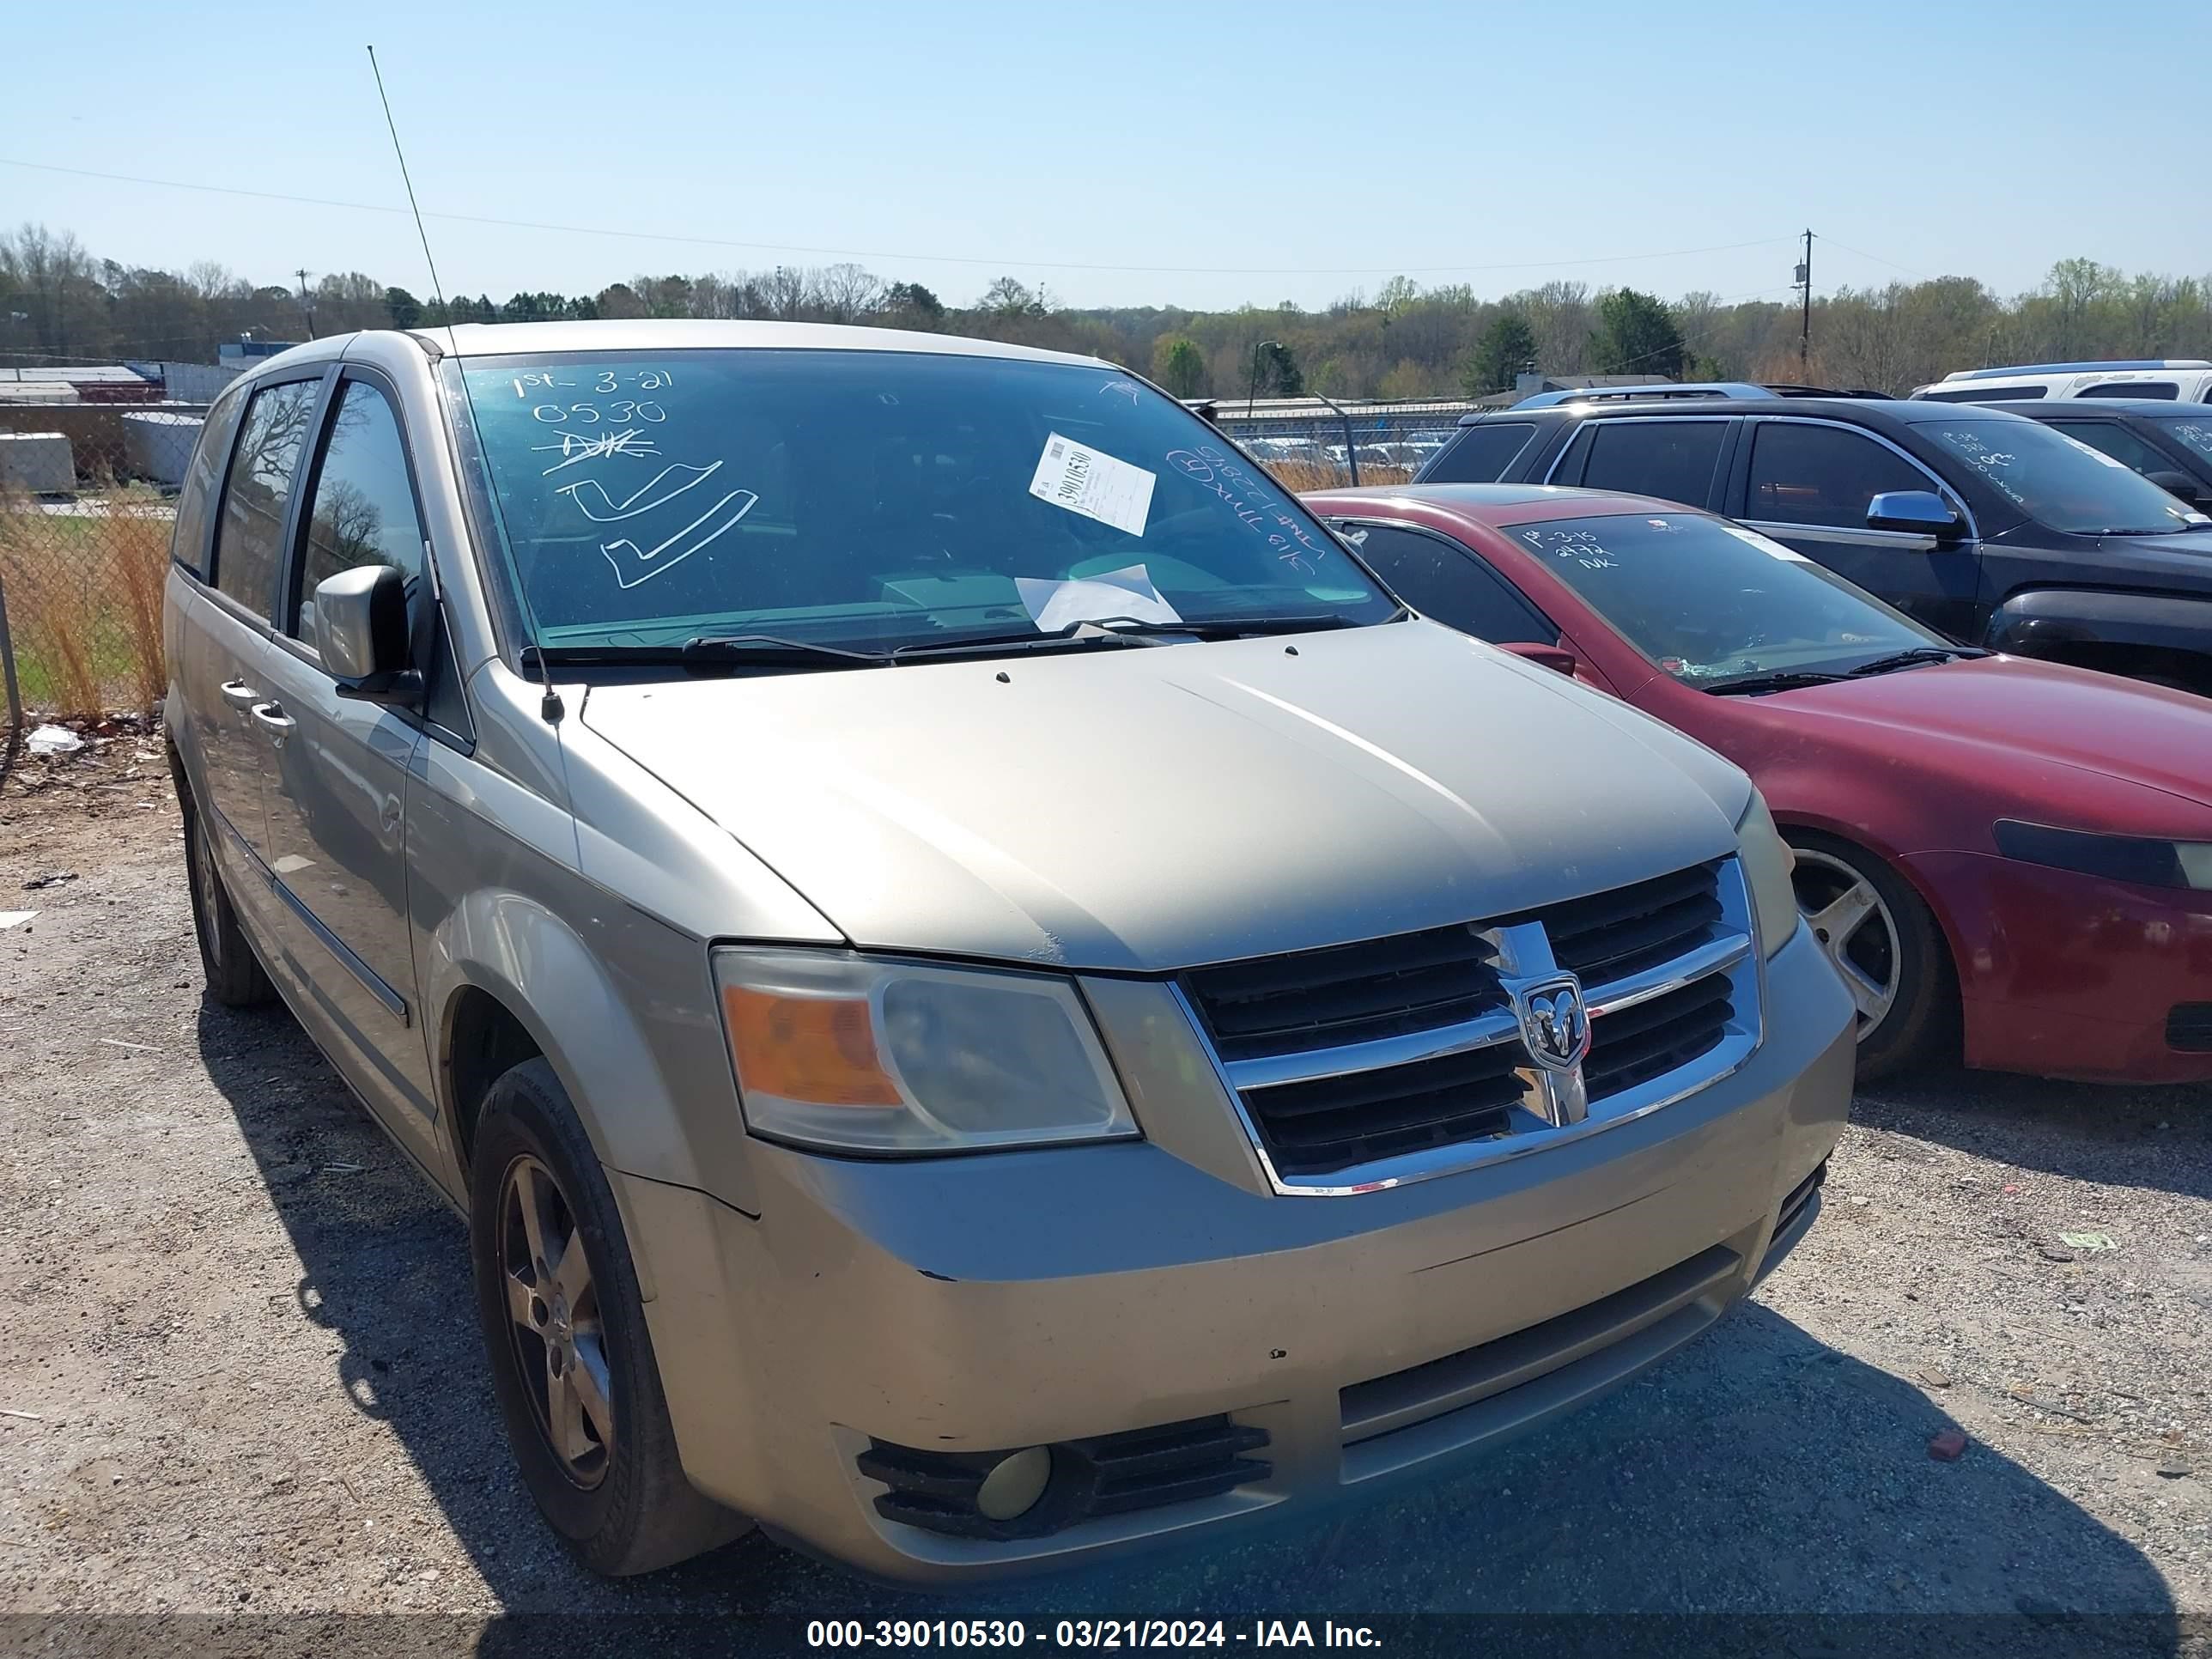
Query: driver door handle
[
  {"x": 272, "y": 718},
  {"x": 238, "y": 694}
]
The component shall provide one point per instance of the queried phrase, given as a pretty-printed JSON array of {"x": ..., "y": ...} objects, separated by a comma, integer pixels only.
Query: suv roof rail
[
  {"x": 1786, "y": 389},
  {"x": 1658, "y": 389},
  {"x": 2077, "y": 368}
]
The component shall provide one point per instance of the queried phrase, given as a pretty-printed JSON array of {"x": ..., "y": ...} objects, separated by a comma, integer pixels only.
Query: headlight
[
  {"x": 2138, "y": 859},
  {"x": 841, "y": 1051},
  {"x": 1767, "y": 861}
]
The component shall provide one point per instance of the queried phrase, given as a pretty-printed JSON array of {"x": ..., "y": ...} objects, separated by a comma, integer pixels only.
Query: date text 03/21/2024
[{"x": 1086, "y": 1633}]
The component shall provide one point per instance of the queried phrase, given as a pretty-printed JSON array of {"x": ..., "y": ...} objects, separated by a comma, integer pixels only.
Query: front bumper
[
  {"x": 2069, "y": 975},
  {"x": 991, "y": 1303}
]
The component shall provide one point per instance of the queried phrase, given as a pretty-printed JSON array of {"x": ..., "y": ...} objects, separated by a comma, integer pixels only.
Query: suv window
[
  {"x": 1482, "y": 453},
  {"x": 1437, "y": 577},
  {"x": 188, "y": 543},
  {"x": 1822, "y": 475},
  {"x": 363, "y": 508},
  {"x": 2168, "y": 390},
  {"x": 1669, "y": 458},
  {"x": 253, "y": 502},
  {"x": 2116, "y": 441}
]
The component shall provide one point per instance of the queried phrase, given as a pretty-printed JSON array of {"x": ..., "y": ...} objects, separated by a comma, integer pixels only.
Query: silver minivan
[{"x": 988, "y": 995}]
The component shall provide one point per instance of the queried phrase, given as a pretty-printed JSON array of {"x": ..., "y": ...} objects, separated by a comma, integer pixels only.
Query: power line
[
  {"x": 1847, "y": 248},
  {"x": 994, "y": 263}
]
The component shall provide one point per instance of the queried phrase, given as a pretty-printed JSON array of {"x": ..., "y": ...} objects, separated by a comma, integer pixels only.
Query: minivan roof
[
  {"x": 2074, "y": 368},
  {"x": 682, "y": 334}
]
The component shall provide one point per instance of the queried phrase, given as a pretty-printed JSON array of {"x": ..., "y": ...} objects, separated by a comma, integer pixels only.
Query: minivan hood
[{"x": 1158, "y": 807}]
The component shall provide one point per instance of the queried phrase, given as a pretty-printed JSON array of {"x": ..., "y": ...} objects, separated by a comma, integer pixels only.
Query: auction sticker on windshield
[{"x": 1093, "y": 484}]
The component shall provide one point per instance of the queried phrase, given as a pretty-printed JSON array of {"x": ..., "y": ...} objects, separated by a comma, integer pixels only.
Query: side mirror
[
  {"x": 1916, "y": 513},
  {"x": 360, "y": 631},
  {"x": 1556, "y": 657},
  {"x": 2178, "y": 483}
]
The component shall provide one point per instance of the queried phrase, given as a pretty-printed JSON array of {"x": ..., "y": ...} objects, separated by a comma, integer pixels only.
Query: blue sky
[{"x": 1132, "y": 152}]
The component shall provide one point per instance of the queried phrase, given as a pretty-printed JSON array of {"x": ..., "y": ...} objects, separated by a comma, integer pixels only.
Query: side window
[
  {"x": 2167, "y": 390},
  {"x": 1822, "y": 475},
  {"x": 1442, "y": 580},
  {"x": 1483, "y": 452},
  {"x": 1986, "y": 394},
  {"x": 260, "y": 484},
  {"x": 188, "y": 543},
  {"x": 2116, "y": 441},
  {"x": 1671, "y": 460},
  {"x": 363, "y": 508}
]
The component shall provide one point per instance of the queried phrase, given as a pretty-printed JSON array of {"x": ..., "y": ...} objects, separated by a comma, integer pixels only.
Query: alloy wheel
[
  {"x": 553, "y": 1309},
  {"x": 1855, "y": 931}
]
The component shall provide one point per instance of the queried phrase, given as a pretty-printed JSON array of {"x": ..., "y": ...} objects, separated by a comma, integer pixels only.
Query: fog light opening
[{"x": 1014, "y": 1484}]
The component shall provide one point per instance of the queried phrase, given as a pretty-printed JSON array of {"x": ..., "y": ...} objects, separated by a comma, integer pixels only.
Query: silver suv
[{"x": 987, "y": 993}]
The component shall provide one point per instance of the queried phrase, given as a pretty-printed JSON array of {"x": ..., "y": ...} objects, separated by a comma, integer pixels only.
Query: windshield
[
  {"x": 875, "y": 500},
  {"x": 1709, "y": 601},
  {"x": 2059, "y": 482},
  {"x": 2195, "y": 432}
]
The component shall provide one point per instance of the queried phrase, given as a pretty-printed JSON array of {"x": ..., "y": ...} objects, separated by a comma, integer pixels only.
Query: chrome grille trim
[{"x": 1730, "y": 955}]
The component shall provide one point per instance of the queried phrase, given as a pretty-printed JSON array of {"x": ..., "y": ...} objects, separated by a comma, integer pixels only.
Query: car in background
[
  {"x": 2170, "y": 444},
  {"x": 984, "y": 998},
  {"x": 2185, "y": 380},
  {"x": 1981, "y": 525},
  {"x": 2014, "y": 853}
]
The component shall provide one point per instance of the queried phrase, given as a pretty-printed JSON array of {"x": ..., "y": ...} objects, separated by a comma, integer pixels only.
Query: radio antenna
[
  {"x": 437, "y": 289},
  {"x": 551, "y": 707}
]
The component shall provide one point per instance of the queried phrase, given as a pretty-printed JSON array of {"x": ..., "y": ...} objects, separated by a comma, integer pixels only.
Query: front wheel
[
  {"x": 1882, "y": 941},
  {"x": 564, "y": 1330}
]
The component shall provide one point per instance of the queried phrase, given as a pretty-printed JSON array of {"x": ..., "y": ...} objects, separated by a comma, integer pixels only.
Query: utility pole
[
  {"x": 1805, "y": 324},
  {"x": 307, "y": 305}
]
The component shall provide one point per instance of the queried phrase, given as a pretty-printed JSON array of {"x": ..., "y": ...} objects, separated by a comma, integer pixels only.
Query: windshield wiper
[
  {"x": 711, "y": 651},
  {"x": 1123, "y": 630},
  {"x": 1781, "y": 680},
  {"x": 1914, "y": 658}
]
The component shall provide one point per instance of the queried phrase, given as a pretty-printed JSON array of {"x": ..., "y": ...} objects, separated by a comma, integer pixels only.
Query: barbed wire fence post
[{"x": 14, "y": 692}]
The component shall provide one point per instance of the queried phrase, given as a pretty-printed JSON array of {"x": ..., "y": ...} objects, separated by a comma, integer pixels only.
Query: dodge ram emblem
[{"x": 1554, "y": 1024}]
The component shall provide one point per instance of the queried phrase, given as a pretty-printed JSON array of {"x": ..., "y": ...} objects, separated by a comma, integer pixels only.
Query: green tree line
[{"x": 59, "y": 303}]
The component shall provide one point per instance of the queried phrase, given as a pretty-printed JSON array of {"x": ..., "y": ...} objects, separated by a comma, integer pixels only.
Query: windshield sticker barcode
[{"x": 1093, "y": 484}]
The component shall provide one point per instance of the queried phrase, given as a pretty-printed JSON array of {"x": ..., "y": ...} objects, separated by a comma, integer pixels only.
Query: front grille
[
  {"x": 1346, "y": 993},
  {"x": 2189, "y": 1028},
  {"x": 1326, "y": 1048},
  {"x": 1611, "y": 935},
  {"x": 1106, "y": 1475},
  {"x": 1335, "y": 1123},
  {"x": 1650, "y": 1039}
]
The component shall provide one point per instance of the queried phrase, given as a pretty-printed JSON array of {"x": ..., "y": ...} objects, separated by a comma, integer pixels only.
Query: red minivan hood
[{"x": 2100, "y": 723}]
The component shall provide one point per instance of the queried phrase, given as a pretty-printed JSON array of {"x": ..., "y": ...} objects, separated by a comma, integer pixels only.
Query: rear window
[
  {"x": 196, "y": 500},
  {"x": 1985, "y": 394},
  {"x": 1483, "y": 454},
  {"x": 2167, "y": 391},
  {"x": 1671, "y": 460}
]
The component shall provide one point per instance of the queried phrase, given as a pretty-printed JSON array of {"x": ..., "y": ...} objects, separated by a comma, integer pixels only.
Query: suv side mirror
[
  {"x": 1555, "y": 657},
  {"x": 360, "y": 631},
  {"x": 1916, "y": 513},
  {"x": 2178, "y": 483}
]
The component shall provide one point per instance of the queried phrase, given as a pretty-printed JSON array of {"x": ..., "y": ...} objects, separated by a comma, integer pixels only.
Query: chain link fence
[
  {"x": 87, "y": 504},
  {"x": 1320, "y": 443}
]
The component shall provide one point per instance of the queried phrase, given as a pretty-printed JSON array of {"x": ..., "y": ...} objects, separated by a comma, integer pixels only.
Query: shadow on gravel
[
  {"x": 2120, "y": 1135},
  {"x": 1758, "y": 1473}
]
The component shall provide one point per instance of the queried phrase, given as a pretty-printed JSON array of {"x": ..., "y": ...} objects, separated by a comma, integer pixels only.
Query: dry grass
[
  {"x": 1302, "y": 476},
  {"x": 84, "y": 607}
]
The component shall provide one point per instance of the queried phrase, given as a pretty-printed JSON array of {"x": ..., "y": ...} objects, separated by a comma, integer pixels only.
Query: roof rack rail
[
  {"x": 2077, "y": 368},
  {"x": 1658, "y": 389},
  {"x": 1787, "y": 389}
]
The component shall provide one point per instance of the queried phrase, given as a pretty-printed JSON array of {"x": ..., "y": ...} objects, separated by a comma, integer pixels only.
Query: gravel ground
[{"x": 239, "y": 1375}]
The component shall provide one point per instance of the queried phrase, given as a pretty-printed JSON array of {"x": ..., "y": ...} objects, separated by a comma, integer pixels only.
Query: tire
[
  {"x": 234, "y": 975},
  {"x": 1884, "y": 942},
  {"x": 576, "y": 1380}
]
